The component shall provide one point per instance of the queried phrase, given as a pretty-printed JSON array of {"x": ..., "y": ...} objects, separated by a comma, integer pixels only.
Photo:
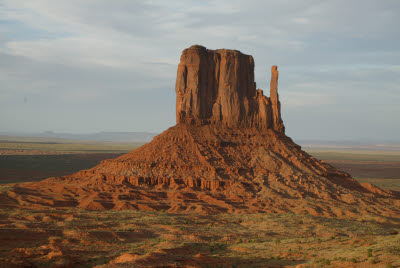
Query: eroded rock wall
[{"x": 217, "y": 87}]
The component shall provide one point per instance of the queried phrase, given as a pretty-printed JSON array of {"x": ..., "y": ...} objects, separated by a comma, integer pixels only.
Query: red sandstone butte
[
  {"x": 227, "y": 153},
  {"x": 217, "y": 87}
]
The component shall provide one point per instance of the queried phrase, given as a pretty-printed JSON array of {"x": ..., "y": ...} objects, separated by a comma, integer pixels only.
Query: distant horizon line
[{"x": 147, "y": 135}]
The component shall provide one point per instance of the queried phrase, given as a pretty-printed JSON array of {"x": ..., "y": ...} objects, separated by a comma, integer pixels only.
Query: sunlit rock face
[{"x": 217, "y": 87}]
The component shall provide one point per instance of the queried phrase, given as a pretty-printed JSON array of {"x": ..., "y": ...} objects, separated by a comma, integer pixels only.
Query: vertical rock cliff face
[{"x": 217, "y": 87}]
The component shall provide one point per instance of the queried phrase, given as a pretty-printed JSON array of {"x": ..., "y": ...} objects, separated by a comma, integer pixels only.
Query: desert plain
[{"x": 90, "y": 238}]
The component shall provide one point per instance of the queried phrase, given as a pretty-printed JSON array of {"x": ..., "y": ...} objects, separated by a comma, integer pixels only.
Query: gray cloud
[{"x": 98, "y": 65}]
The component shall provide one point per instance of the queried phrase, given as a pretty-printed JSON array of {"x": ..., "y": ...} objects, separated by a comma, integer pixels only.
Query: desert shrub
[
  {"x": 353, "y": 260},
  {"x": 373, "y": 260},
  {"x": 323, "y": 261},
  {"x": 214, "y": 246},
  {"x": 393, "y": 250},
  {"x": 300, "y": 221},
  {"x": 277, "y": 241},
  {"x": 5, "y": 188},
  {"x": 369, "y": 253}
]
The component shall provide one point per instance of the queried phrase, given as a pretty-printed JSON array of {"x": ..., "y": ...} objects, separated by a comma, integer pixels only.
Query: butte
[{"x": 228, "y": 153}]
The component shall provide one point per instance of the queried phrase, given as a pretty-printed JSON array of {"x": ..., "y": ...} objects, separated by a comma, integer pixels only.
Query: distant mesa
[
  {"x": 227, "y": 153},
  {"x": 98, "y": 136}
]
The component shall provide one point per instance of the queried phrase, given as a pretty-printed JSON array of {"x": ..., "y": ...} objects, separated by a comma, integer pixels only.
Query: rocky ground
[{"x": 79, "y": 238}]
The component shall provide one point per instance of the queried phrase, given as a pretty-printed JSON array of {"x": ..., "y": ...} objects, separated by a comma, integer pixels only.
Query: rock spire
[{"x": 276, "y": 104}]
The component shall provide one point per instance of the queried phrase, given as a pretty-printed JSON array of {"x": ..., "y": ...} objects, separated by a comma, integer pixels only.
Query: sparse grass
[
  {"x": 4, "y": 188},
  {"x": 369, "y": 253},
  {"x": 380, "y": 168},
  {"x": 37, "y": 159},
  {"x": 323, "y": 261},
  {"x": 357, "y": 155},
  {"x": 373, "y": 260},
  {"x": 71, "y": 147},
  {"x": 393, "y": 249},
  {"x": 262, "y": 239},
  {"x": 383, "y": 183}
]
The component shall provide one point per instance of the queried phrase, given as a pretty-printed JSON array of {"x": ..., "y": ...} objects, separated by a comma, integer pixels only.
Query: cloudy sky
[{"x": 85, "y": 66}]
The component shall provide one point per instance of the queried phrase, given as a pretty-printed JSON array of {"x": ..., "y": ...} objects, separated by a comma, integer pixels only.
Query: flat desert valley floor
[{"x": 81, "y": 238}]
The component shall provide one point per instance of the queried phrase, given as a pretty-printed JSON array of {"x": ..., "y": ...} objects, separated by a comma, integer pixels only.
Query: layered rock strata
[{"x": 217, "y": 87}]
